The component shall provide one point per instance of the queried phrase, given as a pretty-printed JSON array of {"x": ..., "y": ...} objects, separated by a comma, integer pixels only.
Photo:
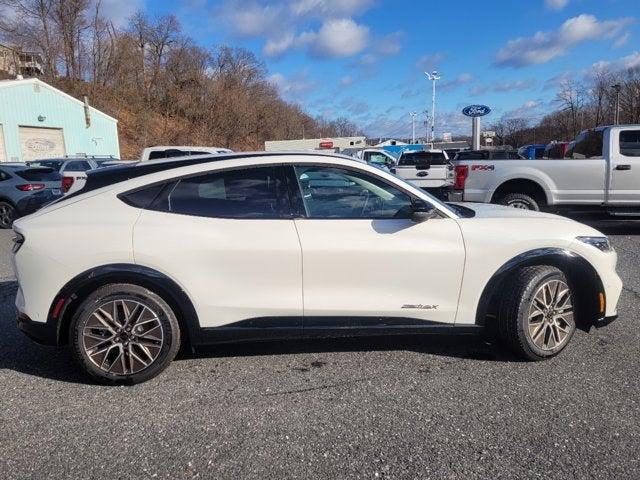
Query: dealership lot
[{"x": 375, "y": 408}]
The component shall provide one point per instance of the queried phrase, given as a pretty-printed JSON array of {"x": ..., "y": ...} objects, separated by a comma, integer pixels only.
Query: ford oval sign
[{"x": 476, "y": 110}]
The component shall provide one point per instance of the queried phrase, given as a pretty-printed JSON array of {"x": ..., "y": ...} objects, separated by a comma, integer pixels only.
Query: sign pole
[{"x": 475, "y": 132}]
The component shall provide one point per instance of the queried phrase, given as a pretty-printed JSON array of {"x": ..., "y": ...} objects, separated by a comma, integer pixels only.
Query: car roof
[{"x": 102, "y": 177}]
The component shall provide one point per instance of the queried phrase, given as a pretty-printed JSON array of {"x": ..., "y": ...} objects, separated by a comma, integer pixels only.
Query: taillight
[
  {"x": 29, "y": 187},
  {"x": 462, "y": 171},
  {"x": 67, "y": 182}
]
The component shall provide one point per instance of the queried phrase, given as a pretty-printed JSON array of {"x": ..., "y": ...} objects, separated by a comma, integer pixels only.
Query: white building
[{"x": 315, "y": 144}]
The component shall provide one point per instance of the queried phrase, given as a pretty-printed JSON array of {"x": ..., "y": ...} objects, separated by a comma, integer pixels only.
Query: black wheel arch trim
[
  {"x": 88, "y": 281},
  {"x": 582, "y": 275}
]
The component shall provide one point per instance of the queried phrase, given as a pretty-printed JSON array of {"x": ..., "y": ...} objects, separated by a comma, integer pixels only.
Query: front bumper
[{"x": 42, "y": 333}]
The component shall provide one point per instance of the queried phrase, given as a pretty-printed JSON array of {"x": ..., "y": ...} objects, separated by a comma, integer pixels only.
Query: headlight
[{"x": 601, "y": 243}]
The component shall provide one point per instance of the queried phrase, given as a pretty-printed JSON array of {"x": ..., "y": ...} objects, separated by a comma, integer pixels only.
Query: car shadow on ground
[{"x": 20, "y": 354}]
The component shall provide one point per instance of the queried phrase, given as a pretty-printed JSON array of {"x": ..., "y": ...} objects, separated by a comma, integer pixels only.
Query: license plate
[{"x": 56, "y": 191}]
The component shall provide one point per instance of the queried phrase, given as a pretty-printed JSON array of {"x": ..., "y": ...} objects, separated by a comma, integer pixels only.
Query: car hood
[{"x": 490, "y": 210}]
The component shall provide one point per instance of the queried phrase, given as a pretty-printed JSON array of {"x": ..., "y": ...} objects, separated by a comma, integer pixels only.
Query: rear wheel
[
  {"x": 536, "y": 315},
  {"x": 124, "y": 334},
  {"x": 7, "y": 215},
  {"x": 520, "y": 200}
]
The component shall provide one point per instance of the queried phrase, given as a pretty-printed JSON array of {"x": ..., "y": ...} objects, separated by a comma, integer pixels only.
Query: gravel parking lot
[{"x": 422, "y": 407}]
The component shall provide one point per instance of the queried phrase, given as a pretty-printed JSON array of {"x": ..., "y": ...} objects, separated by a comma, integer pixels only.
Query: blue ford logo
[{"x": 476, "y": 110}]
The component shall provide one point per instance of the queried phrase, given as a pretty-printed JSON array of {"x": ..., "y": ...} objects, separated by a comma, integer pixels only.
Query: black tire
[
  {"x": 515, "y": 308},
  {"x": 520, "y": 200},
  {"x": 8, "y": 214},
  {"x": 156, "y": 314}
]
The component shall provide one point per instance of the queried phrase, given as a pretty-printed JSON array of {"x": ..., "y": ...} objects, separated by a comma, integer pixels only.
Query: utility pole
[
  {"x": 413, "y": 126},
  {"x": 616, "y": 116},
  {"x": 433, "y": 76}
]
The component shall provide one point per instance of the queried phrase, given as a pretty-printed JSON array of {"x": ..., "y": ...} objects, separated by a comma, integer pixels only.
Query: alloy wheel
[
  {"x": 520, "y": 204},
  {"x": 6, "y": 215},
  {"x": 550, "y": 321},
  {"x": 122, "y": 337}
]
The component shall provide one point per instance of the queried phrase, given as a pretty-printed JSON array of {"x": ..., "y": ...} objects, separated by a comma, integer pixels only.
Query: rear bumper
[
  {"x": 455, "y": 195},
  {"x": 42, "y": 333}
]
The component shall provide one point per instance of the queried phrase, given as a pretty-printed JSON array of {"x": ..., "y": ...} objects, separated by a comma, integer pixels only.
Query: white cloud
[
  {"x": 556, "y": 4},
  {"x": 337, "y": 38},
  {"x": 346, "y": 81},
  {"x": 294, "y": 88},
  {"x": 277, "y": 46},
  {"x": 333, "y": 8},
  {"x": 119, "y": 11},
  {"x": 253, "y": 20},
  {"x": 545, "y": 46},
  {"x": 630, "y": 62},
  {"x": 529, "y": 110},
  {"x": 460, "y": 80},
  {"x": 430, "y": 61}
]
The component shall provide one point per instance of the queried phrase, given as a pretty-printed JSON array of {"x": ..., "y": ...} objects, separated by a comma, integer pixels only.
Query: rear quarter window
[{"x": 39, "y": 175}]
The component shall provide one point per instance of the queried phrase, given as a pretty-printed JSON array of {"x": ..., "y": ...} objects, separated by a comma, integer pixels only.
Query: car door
[
  {"x": 624, "y": 167},
  {"x": 227, "y": 237},
  {"x": 363, "y": 256}
]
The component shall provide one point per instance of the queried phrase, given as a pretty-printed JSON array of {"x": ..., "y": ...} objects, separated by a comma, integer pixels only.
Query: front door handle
[{"x": 623, "y": 167}]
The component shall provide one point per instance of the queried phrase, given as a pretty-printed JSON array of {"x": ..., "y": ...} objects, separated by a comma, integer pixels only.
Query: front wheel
[
  {"x": 536, "y": 315},
  {"x": 124, "y": 334}
]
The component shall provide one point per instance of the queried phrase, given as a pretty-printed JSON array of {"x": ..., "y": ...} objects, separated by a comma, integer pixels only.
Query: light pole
[
  {"x": 616, "y": 116},
  {"x": 413, "y": 126},
  {"x": 433, "y": 76}
]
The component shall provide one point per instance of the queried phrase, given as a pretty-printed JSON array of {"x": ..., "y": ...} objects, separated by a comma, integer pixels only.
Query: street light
[
  {"x": 433, "y": 76},
  {"x": 616, "y": 116},
  {"x": 413, "y": 126}
]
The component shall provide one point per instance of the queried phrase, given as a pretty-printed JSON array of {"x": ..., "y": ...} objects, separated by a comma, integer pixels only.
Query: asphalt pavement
[{"x": 401, "y": 407}]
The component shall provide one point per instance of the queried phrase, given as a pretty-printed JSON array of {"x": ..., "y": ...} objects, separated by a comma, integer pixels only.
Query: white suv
[{"x": 160, "y": 254}]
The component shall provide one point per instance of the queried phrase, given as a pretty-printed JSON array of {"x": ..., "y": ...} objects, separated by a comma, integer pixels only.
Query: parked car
[
  {"x": 487, "y": 155},
  {"x": 532, "y": 152},
  {"x": 601, "y": 174},
  {"x": 430, "y": 170},
  {"x": 23, "y": 190},
  {"x": 556, "y": 150},
  {"x": 377, "y": 157},
  {"x": 262, "y": 246},
  {"x": 164, "y": 151},
  {"x": 73, "y": 169}
]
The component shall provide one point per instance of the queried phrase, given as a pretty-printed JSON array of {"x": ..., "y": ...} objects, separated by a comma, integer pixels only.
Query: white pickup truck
[{"x": 601, "y": 171}]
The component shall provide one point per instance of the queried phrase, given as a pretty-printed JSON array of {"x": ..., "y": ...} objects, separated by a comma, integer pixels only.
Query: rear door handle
[{"x": 623, "y": 167}]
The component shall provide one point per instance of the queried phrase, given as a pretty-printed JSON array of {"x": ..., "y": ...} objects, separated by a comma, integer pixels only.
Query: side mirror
[{"x": 422, "y": 211}]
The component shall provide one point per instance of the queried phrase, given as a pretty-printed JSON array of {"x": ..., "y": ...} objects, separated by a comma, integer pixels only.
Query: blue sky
[{"x": 363, "y": 59}]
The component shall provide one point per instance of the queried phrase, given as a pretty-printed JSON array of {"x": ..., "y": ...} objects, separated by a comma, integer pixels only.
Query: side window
[
  {"x": 330, "y": 192},
  {"x": 630, "y": 143},
  {"x": 539, "y": 153},
  {"x": 588, "y": 145},
  {"x": 77, "y": 166},
  {"x": 250, "y": 193},
  {"x": 378, "y": 158},
  {"x": 4, "y": 176}
]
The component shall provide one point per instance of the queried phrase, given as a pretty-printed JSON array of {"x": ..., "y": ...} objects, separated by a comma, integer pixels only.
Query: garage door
[
  {"x": 37, "y": 143},
  {"x": 3, "y": 152}
]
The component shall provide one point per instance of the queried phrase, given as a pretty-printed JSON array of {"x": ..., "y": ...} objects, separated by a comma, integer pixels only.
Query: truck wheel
[
  {"x": 124, "y": 334},
  {"x": 520, "y": 200},
  {"x": 535, "y": 316}
]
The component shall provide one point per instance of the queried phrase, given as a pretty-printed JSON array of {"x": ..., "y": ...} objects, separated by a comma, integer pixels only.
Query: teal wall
[{"x": 22, "y": 102}]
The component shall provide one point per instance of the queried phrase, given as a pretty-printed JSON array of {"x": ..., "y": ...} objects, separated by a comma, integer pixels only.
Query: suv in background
[
  {"x": 165, "y": 151},
  {"x": 532, "y": 152},
  {"x": 556, "y": 150},
  {"x": 430, "y": 170},
  {"x": 73, "y": 170},
  {"x": 24, "y": 190}
]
